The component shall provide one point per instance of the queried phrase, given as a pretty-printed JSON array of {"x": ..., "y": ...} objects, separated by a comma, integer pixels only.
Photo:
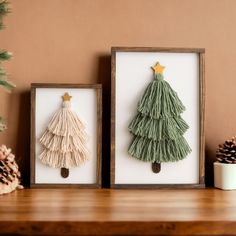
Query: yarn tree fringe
[
  {"x": 158, "y": 128},
  {"x": 57, "y": 159},
  {"x": 64, "y": 140},
  {"x": 160, "y": 100},
  {"x": 168, "y": 127},
  {"x": 66, "y": 121}
]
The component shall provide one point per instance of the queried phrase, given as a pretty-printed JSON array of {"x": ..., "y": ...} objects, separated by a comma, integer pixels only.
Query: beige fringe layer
[
  {"x": 65, "y": 122},
  {"x": 59, "y": 159},
  {"x": 64, "y": 140}
]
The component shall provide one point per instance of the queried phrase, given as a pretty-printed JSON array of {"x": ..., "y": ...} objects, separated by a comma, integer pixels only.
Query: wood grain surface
[{"x": 118, "y": 212}]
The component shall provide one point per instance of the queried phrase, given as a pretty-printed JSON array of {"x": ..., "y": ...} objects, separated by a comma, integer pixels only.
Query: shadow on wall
[
  {"x": 104, "y": 77},
  {"x": 23, "y": 138},
  {"x": 209, "y": 160}
]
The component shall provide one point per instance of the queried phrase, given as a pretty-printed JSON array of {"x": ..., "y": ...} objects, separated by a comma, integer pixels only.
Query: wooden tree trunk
[
  {"x": 156, "y": 167},
  {"x": 64, "y": 172}
]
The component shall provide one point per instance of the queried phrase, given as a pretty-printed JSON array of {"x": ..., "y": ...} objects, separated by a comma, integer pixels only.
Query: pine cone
[
  {"x": 9, "y": 171},
  {"x": 226, "y": 153}
]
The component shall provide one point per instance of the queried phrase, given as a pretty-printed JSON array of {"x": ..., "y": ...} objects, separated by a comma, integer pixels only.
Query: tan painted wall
[{"x": 69, "y": 41}]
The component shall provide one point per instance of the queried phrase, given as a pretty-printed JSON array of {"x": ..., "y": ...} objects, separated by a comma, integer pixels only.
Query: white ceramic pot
[{"x": 225, "y": 176}]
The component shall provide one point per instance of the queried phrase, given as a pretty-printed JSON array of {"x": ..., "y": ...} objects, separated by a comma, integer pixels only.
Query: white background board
[
  {"x": 84, "y": 103},
  {"x": 133, "y": 74}
]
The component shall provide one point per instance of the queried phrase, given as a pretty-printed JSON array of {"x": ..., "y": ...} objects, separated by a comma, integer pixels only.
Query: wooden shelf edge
[{"x": 118, "y": 228}]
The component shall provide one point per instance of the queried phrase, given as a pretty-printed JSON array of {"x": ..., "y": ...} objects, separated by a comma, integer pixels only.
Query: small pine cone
[
  {"x": 226, "y": 153},
  {"x": 9, "y": 171}
]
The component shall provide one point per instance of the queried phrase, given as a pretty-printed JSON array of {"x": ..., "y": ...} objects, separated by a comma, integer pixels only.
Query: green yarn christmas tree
[{"x": 158, "y": 128}]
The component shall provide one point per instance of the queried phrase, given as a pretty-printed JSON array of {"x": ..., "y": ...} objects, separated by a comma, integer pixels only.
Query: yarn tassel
[
  {"x": 158, "y": 128},
  {"x": 64, "y": 140},
  {"x": 164, "y": 150},
  {"x": 160, "y": 100},
  {"x": 168, "y": 127}
]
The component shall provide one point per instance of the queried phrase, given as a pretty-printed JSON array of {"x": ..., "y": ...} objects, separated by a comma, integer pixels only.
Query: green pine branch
[
  {"x": 1, "y": 25},
  {"x": 4, "y": 83},
  {"x": 4, "y": 7},
  {"x": 2, "y": 124},
  {"x": 5, "y": 55}
]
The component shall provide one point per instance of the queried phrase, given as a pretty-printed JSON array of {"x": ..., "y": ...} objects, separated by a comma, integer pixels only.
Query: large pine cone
[
  {"x": 9, "y": 171},
  {"x": 226, "y": 153}
]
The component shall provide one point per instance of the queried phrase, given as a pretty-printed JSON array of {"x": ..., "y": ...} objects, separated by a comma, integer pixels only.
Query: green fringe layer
[
  {"x": 159, "y": 151},
  {"x": 167, "y": 128},
  {"x": 160, "y": 100}
]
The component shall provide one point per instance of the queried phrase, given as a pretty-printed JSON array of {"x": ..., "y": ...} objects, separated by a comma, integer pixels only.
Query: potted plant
[{"x": 225, "y": 166}]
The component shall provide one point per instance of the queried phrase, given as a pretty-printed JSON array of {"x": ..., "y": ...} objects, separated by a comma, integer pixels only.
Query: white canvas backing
[
  {"x": 133, "y": 74},
  {"x": 84, "y": 103}
]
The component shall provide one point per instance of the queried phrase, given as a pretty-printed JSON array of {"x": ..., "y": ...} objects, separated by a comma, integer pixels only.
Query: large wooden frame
[
  {"x": 97, "y": 98},
  {"x": 200, "y": 55}
]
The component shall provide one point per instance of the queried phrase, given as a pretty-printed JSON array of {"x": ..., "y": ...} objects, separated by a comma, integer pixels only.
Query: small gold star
[
  {"x": 158, "y": 68},
  {"x": 66, "y": 97}
]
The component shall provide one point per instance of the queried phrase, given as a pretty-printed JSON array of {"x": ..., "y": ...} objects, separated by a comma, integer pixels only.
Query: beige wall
[{"x": 69, "y": 41}]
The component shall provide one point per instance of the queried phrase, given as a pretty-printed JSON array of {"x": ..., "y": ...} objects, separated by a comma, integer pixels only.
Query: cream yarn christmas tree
[{"x": 64, "y": 140}]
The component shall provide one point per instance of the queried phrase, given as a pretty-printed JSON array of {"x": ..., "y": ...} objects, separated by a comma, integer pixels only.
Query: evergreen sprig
[
  {"x": 4, "y": 83},
  {"x": 1, "y": 25},
  {"x": 4, "y": 7},
  {"x": 2, "y": 124},
  {"x": 5, "y": 55}
]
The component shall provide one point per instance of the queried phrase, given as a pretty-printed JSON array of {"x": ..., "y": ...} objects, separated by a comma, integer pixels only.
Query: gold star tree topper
[
  {"x": 66, "y": 97},
  {"x": 158, "y": 68}
]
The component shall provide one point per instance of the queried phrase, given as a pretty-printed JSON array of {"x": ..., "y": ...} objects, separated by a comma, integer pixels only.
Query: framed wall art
[
  {"x": 157, "y": 117},
  {"x": 66, "y": 122}
]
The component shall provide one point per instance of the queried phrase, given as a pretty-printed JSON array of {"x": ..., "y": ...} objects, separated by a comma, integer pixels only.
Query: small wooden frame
[
  {"x": 87, "y": 102},
  {"x": 131, "y": 65}
]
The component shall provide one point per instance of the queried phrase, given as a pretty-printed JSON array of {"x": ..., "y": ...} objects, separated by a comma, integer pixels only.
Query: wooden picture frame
[
  {"x": 88, "y": 99},
  {"x": 122, "y": 70}
]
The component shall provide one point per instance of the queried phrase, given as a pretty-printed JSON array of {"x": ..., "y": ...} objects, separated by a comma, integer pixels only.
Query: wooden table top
[{"x": 118, "y": 212}]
